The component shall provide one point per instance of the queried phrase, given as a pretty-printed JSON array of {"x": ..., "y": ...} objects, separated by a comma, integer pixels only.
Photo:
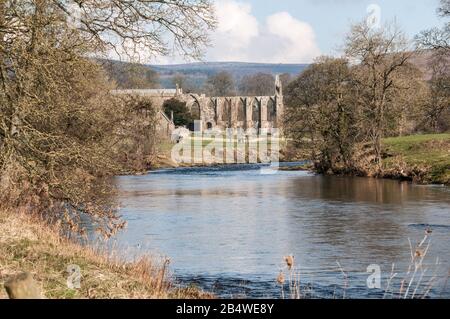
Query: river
[{"x": 226, "y": 229}]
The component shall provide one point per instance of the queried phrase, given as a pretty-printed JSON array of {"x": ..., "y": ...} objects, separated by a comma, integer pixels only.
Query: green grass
[
  {"x": 202, "y": 144},
  {"x": 430, "y": 151},
  {"x": 426, "y": 158}
]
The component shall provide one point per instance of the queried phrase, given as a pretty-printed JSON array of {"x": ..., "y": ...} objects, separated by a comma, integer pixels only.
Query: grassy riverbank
[
  {"x": 203, "y": 150},
  {"x": 422, "y": 158},
  {"x": 29, "y": 245}
]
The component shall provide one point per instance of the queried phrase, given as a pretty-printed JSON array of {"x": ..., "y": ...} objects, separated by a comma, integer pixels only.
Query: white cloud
[
  {"x": 240, "y": 37},
  {"x": 297, "y": 37},
  {"x": 235, "y": 32}
]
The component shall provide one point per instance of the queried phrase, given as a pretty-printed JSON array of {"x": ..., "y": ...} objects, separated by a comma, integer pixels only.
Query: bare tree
[
  {"x": 437, "y": 38},
  {"x": 322, "y": 114},
  {"x": 186, "y": 83},
  {"x": 57, "y": 118},
  {"x": 133, "y": 26},
  {"x": 381, "y": 54},
  {"x": 137, "y": 134},
  {"x": 260, "y": 84},
  {"x": 437, "y": 111},
  {"x": 342, "y": 110},
  {"x": 436, "y": 117},
  {"x": 220, "y": 84}
]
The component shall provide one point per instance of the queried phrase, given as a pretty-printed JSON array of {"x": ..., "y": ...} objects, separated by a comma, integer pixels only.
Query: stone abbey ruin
[{"x": 220, "y": 113}]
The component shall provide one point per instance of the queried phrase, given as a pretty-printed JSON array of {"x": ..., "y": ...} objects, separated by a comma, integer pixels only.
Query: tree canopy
[{"x": 59, "y": 123}]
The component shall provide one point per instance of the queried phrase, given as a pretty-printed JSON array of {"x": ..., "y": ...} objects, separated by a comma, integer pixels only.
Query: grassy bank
[
  {"x": 29, "y": 245},
  {"x": 423, "y": 158},
  {"x": 202, "y": 146}
]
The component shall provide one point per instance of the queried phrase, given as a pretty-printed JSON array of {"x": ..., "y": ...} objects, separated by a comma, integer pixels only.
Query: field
[
  {"x": 428, "y": 154},
  {"x": 215, "y": 151}
]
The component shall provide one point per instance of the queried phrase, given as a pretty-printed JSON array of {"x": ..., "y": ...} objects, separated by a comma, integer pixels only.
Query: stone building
[{"x": 245, "y": 112}]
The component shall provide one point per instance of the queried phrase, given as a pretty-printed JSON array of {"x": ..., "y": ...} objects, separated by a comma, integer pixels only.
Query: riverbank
[
  {"x": 163, "y": 159},
  {"x": 29, "y": 245},
  {"x": 423, "y": 159}
]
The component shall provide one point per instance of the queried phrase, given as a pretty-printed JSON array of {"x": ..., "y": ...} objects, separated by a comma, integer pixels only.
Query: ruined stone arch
[
  {"x": 227, "y": 112},
  {"x": 214, "y": 106},
  {"x": 256, "y": 113},
  {"x": 196, "y": 112},
  {"x": 271, "y": 111},
  {"x": 242, "y": 110},
  {"x": 195, "y": 108}
]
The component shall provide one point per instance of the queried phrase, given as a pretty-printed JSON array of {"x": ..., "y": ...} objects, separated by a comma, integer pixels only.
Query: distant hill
[
  {"x": 238, "y": 69},
  {"x": 199, "y": 72}
]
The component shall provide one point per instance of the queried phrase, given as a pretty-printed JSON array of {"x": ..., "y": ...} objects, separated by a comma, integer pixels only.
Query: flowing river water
[{"x": 226, "y": 229}]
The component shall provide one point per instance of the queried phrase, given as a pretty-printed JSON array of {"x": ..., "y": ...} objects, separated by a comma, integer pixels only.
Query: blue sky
[
  {"x": 297, "y": 31},
  {"x": 330, "y": 18}
]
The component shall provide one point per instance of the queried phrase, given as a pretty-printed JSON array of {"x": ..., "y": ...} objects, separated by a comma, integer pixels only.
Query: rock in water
[{"x": 23, "y": 286}]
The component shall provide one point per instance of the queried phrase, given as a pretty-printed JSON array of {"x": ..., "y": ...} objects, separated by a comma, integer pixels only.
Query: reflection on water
[{"x": 227, "y": 228}]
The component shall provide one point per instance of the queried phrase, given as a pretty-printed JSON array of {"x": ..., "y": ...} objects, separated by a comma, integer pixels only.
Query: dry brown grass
[
  {"x": 29, "y": 245},
  {"x": 412, "y": 284}
]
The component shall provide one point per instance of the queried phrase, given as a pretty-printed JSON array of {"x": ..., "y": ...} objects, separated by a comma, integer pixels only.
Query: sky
[{"x": 297, "y": 31}]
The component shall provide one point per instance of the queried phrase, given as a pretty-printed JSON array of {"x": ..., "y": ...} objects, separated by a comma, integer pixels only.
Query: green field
[
  {"x": 430, "y": 152},
  {"x": 206, "y": 145},
  {"x": 423, "y": 158}
]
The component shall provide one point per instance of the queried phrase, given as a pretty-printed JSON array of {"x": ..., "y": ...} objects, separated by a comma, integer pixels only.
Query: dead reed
[
  {"x": 27, "y": 244},
  {"x": 413, "y": 284}
]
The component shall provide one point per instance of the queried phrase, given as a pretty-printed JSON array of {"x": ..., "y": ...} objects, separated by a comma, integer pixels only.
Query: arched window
[
  {"x": 271, "y": 111},
  {"x": 213, "y": 106},
  {"x": 196, "y": 115},
  {"x": 256, "y": 113},
  {"x": 241, "y": 114},
  {"x": 226, "y": 112},
  {"x": 195, "y": 111}
]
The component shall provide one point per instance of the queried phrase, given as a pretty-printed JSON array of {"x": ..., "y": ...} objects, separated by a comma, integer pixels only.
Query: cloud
[
  {"x": 240, "y": 37},
  {"x": 236, "y": 31},
  {"x": 297, "y": 37}
]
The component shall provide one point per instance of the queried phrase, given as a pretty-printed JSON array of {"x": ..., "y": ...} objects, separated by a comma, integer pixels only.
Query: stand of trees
[
  {"x": 131, "y": 75},
  {"x": 220, "y": 84},
  {"x": 58, "y": 123},
  {"x": 437, "y": 110},
  {"x": 181, "y": 113},
  {"x": 223, "y": 84},
  {"x": 260, "y": 84},
  {"x": 342, "y": 108}
]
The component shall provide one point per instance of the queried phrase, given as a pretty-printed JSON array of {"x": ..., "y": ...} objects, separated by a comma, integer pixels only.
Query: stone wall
[{"x": 258, "y": 112}]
